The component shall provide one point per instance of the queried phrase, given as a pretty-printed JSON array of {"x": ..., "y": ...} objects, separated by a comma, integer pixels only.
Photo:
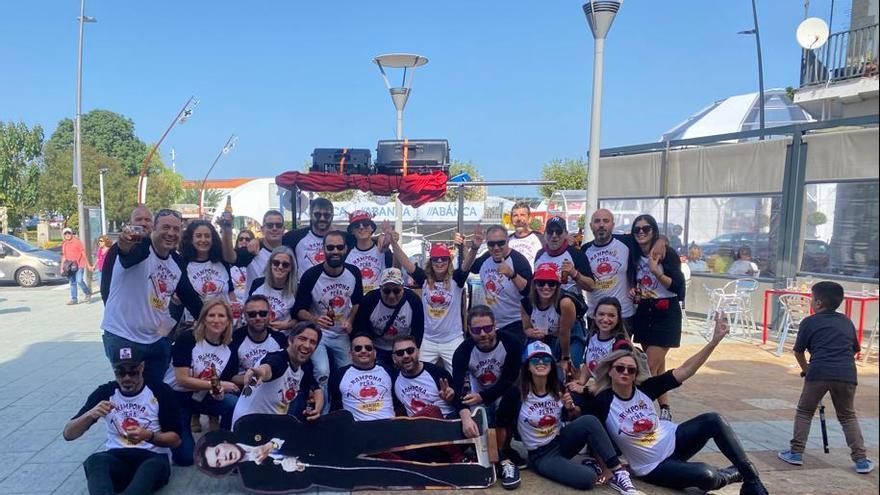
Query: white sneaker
[{"x": 622, "y": 483}]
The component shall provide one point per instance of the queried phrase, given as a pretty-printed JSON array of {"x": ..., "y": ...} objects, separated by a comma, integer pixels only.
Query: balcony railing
[{"x": 846, "y": 55}]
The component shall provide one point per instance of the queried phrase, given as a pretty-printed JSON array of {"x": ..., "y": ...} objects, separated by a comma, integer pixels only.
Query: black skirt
[{"x": 657, "y": 322}]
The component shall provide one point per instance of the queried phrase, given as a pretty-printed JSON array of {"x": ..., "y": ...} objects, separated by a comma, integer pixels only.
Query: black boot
[
  {"x": 728, "y": 476},
  {"x": 752, "y": 483}
]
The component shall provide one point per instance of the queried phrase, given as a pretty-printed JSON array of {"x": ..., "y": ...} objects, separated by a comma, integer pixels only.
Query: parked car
[
  {"x": 817, "y": 257},
  {"x": 27, "y": 265}
]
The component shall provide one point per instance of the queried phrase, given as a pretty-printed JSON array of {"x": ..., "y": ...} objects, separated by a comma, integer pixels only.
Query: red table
[{"x": 848, "y": 298}]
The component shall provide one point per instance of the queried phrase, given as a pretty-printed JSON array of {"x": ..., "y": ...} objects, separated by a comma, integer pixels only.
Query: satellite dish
[{"x": 812, "y": 33}]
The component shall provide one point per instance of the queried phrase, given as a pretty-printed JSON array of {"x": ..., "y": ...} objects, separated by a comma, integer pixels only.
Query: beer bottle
[
  {"x": 579, "y": 238},
  {"x": 310, "y": 403},
  {"x": 226, "y": 217},
  {"x": 249, "y": 387},
  {"x": 215, "y": 381},
  {"x": 331, "y": 314},
  {"x": 228, "y": 207}
]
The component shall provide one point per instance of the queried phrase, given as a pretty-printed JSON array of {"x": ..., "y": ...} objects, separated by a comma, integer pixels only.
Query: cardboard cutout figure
[{"x": 280, "y": 454}]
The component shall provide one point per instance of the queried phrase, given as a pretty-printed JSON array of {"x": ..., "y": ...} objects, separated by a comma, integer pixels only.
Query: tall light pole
[
  {"x": 103, "y": 210},
  {"x": 757, "y": 34},
  {"x": 230, "y": 143},
  {"x": 600, "y": 14},
  {"x": 77, "y": 135},
  {"x": 399, "y": 95}
]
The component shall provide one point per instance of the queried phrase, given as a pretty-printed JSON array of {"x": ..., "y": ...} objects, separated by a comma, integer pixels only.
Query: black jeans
[
  {"x": 126, "y": 471},
  {"x": 553, "y": 460},
  {"x": 690, "y": 437}
]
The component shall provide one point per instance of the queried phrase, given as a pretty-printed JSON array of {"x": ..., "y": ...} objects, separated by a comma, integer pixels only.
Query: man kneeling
[{"x": 142, "y": 426}]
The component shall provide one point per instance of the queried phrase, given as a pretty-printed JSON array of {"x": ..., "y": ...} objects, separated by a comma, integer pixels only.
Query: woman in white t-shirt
[
  {"x": 279, "y": 285},
  {"x": 606, "y": 332},
  {"x": 658, "y": 451},
  {"x": 545, "y": 406},
  {"x": 202, "y": 253},
  {"x": 550, "y": 315},
  {"x": 442, "y": 287}
]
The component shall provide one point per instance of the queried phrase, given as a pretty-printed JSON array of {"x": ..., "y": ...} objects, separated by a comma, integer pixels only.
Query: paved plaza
[{"x": 51, "y": 358}]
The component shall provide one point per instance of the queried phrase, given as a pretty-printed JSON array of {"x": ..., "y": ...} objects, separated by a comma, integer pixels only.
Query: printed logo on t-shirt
[
  {"x": 493, "y": 285},
  {"x": 369, "y": 392},
  {"x": 239, "y": 279},
  {"x": 487, "y": 372},
  {"x": 606, "y": 267},
  {"x": 127, "y": 415},
  {"x": 207, "y": 281},
  {"x": 419, "y": 401},
  {"x": 439, "y": 299},
  {"x": 163, "y": 282},
  {"x": 639, "y": 421},
  {"x": 370, "y": 266},
  {"x": 543, "y": 417},
  {"x": 288, "y": 394}
]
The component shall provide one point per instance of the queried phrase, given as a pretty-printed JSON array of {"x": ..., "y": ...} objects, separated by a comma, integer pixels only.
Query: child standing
[{"x": 831, "y": 339}]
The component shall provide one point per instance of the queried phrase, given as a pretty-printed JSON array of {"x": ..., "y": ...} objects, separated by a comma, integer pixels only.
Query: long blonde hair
[
  {"x": 290, "y": 286},
  {"x": 199, "y": 330},
  {"x": 602, "y": 376},
  {"x": 431, "y": 278}
]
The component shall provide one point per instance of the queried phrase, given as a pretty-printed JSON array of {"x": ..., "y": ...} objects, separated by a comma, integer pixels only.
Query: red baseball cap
[
  {"x": 440, "y": 251},
  {"x": 360, "y": 216},
  {"x": 546, "y": 271}
]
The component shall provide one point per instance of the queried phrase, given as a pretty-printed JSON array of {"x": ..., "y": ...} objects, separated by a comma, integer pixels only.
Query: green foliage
[
  {"x": 535, "y": 224},
  {"x": 192, "y": 195},
  {"x": 568, "y": 173},
  {"x": 789, "y": 92},
  {"x": 20, "y": 153},
  {"x": 110, "y": 134},
  {"x": 817, "y": 218},
  {"x": 470, "y": 193}
]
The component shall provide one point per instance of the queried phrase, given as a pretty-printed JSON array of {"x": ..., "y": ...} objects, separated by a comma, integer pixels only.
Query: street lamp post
[
  {"x": 757, "y": 34},
  {"x": 77, "y": 135},
  {"x": 103, "y": 210},
  {"x": 399, "y": 95},
  {"x": 600, "y": 14},
  {"x": 230, "y": 143}
]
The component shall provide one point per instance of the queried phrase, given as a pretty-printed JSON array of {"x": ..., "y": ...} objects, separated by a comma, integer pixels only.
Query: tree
[
  {"x": 20, "y": 153},
  {"x": 569, "y": 173},
  {"x": 470, "y": 193},
  {"x": 110, "y": 134},
  {"x": 192, "y": 195}
]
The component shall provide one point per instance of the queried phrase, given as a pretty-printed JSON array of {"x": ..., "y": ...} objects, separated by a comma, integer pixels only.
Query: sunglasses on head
[
  {"x": 359, "y": 348},
  {"x": 165, "y": 212},
  {"x": 261, "y": 313},
  {"x": 483, "y": 329},
  {"x": 496, "y": 244},
  {"x": 542, "y": 359},
  {"x": 281, "y": 264},
  {"x": 627, "y": 370},
  {"x": 437, "y": 260},
  {"x": 334, "y": 247},
  {"x": 324, "y": 215},
  {"x": 274, "y": 225},
  {"x": 391, "y": 290},
  {"x": 121, "y": 372},
  {"x": 546, "y": 283},
  {"x": 408, "y": 351},
  {"x": 644, "y": 229}
]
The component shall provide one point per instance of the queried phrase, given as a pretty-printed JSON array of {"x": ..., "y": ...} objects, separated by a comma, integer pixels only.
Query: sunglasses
[
  {"x": 536, "y": 360},
  {"x": 644, "y": 229},
  {"x": 122, "y": 372},
  {"x": 546, "y": 283},
  {"x": 439, "y": 260},
  {"x": 554, "y": 232},
  {"x": 274, "y": 225},
  {"x": 334, "y": 247},
  {"x": 483, "y": 329},
  {"x": 359, "y": 348},
  {"x": 325, "y": 216},
  {"x": 279, "y": 263},
  {"x": 165, "y": 212},
  {"x": 496, "y": 244},
  {"x": 362, "y": 225},
  {"x": 245, "y": 239},
  {"x": 262, "y": 313},
  {"x": 391, "y": 290},
  {"x": 625, "y": 370},
  {"x": 408, "y": 351}
]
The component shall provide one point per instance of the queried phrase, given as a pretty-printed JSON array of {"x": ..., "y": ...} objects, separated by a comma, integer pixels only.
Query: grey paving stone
[
  {"x": 37, "y": 478},
  {"x": 60, "y": 450},
  {"x": 30, "y": 440},
  {"x": 10, "y": 461},
  {"x": 75, "y": 484}
]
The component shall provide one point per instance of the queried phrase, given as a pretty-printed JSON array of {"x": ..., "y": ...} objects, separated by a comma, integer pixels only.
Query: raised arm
[
  {"x": 693, "y": 363},
  {"x": 470, "y": 254},
  {"x": 227, "y": 242},
  {"x": 399, "y": 256}
]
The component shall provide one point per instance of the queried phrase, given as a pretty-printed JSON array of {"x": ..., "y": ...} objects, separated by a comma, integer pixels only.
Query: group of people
[{"x": 313, "y": 320}]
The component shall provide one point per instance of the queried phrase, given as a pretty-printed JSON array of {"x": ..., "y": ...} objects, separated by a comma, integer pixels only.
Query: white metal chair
[
  {"x": 871, "y": 341},
  {"x": 735, "y": 301},
  {"x": 795, "y": 308}
]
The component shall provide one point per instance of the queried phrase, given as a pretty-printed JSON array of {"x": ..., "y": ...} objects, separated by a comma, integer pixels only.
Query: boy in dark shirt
[{"x": 831, "y": 339}]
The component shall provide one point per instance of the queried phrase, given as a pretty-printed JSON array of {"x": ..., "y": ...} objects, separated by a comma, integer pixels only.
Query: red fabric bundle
[{"x": 415, "y": 189}]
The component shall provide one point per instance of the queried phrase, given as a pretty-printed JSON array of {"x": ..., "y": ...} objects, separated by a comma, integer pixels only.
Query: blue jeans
[
  {"x": 157, "y": 355},
  {"x": 78, "y": 279},
  {"x": 183, "y": 454},
  {"x": 576, "y": 345},
  {"x": 340, "y": 348}
]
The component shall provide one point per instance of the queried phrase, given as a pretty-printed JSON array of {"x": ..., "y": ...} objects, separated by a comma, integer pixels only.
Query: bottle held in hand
[
  {"x": 226, "y": 216},
  {"x": 310, "y": 403},
  {"x": 215, "y": 381},
  {"x": 248, "y": 388}
]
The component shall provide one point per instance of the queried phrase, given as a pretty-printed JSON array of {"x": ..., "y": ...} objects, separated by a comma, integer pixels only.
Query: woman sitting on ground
[
  {"x": 658, "y": 451},
  {"x": 545, "y": 405}
]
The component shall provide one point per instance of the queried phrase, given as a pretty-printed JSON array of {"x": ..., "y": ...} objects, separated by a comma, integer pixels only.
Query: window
[{"x": 840, "y": 234}]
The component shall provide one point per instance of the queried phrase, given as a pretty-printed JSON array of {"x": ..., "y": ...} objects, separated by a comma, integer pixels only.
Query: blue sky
[{"x": 508, "y": 84}]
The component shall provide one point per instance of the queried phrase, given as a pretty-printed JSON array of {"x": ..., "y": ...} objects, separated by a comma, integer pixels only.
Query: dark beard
[{"x": 335, "y": 262}]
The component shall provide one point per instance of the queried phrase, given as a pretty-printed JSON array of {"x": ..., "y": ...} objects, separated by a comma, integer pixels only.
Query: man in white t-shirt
[
  {"x": 307, "y": 242},
  {"x": 256, "y": 255},
  {"x": 524, "y": 240}
]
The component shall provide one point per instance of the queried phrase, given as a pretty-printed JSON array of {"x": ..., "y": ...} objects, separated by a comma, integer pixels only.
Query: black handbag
[{"x": 70, "y": 268}]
